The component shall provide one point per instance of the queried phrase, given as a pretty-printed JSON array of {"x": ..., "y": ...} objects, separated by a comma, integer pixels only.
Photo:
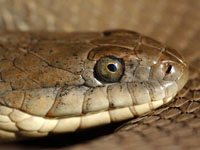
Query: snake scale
[{"x": 63, "y": 82}]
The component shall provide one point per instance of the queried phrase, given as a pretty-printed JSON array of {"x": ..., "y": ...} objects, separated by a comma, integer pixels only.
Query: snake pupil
[{"x": 112, "y": 68}]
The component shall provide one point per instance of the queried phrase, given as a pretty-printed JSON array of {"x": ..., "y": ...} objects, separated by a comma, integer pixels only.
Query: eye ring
[{"x": 109, "y": 69}]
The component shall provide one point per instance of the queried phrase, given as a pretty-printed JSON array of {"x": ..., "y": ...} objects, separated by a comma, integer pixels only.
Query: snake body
[{"x": 63, "y": 82}]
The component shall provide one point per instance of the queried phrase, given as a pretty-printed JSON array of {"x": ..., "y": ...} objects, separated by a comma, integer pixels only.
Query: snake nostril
[{"x": 169, "y": 69}]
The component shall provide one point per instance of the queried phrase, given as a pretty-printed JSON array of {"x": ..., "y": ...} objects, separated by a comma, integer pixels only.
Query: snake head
[{"x": 83, "y": 80}]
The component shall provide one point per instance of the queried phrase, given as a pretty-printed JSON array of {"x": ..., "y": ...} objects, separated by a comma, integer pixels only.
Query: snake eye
[{"x": 109, "y": 69}]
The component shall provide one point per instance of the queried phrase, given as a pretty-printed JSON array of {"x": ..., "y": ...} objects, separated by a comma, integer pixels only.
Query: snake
[{"x": 53, "y": 82}]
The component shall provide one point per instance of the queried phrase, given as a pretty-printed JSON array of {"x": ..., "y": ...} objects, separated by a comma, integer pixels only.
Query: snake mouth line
[
  {"x": 136, "y": 110},
  {"x": 15, "y": 123},
  {"x": 77, "y": 101}
]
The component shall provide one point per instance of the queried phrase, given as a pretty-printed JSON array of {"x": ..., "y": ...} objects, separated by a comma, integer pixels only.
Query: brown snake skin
[{"x": 177, "y": 23}]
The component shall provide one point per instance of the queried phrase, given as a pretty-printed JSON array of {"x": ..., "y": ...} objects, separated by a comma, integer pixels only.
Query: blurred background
[{"x": 175, "y": 22}]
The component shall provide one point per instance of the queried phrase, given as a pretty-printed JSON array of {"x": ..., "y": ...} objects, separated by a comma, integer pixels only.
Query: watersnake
[{"x": 64, "y": 82}]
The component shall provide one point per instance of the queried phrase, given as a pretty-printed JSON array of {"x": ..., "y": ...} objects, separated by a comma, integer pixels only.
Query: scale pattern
[{"x": 48, "y": 83}]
